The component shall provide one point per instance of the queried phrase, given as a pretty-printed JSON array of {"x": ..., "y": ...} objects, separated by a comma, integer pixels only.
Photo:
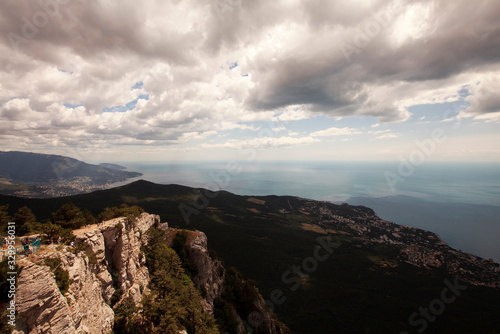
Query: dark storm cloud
[{"x": 457, "y": 37}]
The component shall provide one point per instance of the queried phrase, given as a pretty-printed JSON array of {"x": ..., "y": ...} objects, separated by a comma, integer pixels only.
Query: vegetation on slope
[
  {"x": 173, "y": 304},
  {"x": 358, "y": 289}
]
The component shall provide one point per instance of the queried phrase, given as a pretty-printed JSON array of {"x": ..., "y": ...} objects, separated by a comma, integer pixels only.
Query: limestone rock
[
  {"x": 211, "y": 272},
  {"x": 211, "y": 278},
  {"x": 110, "y": 257},
  {"x": 41, "y": 308}
]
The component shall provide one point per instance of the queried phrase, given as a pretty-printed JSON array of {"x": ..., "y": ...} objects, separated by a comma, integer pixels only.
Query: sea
[{"x": 458, "y": 201}]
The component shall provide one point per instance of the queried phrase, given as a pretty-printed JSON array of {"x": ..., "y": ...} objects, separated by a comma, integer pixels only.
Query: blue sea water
[{"x": 459, "y": 201}]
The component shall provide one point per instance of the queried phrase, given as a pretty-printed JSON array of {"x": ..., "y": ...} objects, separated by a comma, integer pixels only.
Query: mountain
[
  {"x": 121, "y": 276},
  {"x": 45, "y": 175},
  {"x": 112, "y": 166},
  {"x": 322, "y": 267}
]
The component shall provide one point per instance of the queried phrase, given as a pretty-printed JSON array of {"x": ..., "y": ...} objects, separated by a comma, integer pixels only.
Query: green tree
[
  {"x": 69, "y": 216},
  {"x": 124, "y": 210},
  {"x": 4, "y": 216},
  {"x": 61, "y": 275},
  {"x": 174, "y": 304},
  {"x": 126, "y": 317},
  {"x": 54, "y": 231},
  {"x": 179, "y": 246},
  {"x": 89, "y": 218},
  {"x": 25, "y": 220}
]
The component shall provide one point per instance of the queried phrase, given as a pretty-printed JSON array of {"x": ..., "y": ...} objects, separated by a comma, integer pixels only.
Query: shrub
[
  {"x": 61, "y": 275},
  {"x": 131, "y": 212},
  {"x": 54, "y": 231},
  {"x": 126, "y": 319},
  {"x": 115, "y": 298},
  {"x": 93, "y": 257},
  {"x": 225, "y": 316}
]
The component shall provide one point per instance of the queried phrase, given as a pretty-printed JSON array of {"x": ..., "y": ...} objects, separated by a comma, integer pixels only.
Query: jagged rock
[
  {"x": 41, "y": 308},
  {"x": 210, "y": 277},
  {"x": 110, "y": 257},
  {"x": 123, "y": 253},
  {"x": 112, "y": 249}
]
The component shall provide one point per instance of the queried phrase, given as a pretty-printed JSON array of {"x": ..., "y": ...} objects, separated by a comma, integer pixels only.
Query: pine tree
[
  {"x": 4, "y": 217},
  {"x": 25, "y": 220},
  {"x": 69, "y": 216},
  {"x": 4, "y": 214}
]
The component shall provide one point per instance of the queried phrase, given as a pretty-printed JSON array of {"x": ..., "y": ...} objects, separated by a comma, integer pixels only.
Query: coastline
[{"x": 472, "y": 228}]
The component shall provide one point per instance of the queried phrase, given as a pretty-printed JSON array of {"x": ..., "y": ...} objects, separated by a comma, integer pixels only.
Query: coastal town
[
  {"x": 417, "y": 247},
  {"x": 74, "y": 186}
]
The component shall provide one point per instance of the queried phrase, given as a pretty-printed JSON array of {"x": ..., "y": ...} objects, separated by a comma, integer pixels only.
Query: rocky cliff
[
  {"x": 212, "y": 279},
  {"x": 105, "y": 264}
]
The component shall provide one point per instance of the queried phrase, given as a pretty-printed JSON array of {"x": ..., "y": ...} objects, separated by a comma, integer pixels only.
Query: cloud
[
  {"x": 335, "y": 132},
  {"x": 484, "y": 96},
  {"x": 266, "y": 142},
  {"x": 389, "y": 136},
  {"x": 418, "y": 50},
  {"x": 291, "y": 62},
  {"x": 278, "y": 129},
  {"x": 187, "y": 136}
]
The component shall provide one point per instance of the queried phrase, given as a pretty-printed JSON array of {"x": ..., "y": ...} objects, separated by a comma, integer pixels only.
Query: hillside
[
  {"x": 121, "y": 276},
  {"x": 322, "y": 267},
  {"x": 44, "y": 175}
]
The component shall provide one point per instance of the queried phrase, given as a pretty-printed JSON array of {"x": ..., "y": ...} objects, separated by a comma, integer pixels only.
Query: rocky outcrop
[
  {"x": 211, "y": 272},
  {"x": 123, "y": 254},
  {"x": 211, "y": 280},
  {"x": 108, "y": 265},
  {"x": 41, "y": 308}
]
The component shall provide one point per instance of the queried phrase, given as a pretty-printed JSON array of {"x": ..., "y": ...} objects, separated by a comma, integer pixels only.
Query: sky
[{"x": 164, "y": 80}]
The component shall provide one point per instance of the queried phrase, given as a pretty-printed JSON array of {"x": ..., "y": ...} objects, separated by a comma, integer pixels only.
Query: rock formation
[
  {"x": 108, "y": 260},
  {"x": 210, "y": 277},
  {"x": 106, "y": 265}
]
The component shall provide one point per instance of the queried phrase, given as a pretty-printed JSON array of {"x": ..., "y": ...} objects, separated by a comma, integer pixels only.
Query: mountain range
[{"x": 45, "y": 175}]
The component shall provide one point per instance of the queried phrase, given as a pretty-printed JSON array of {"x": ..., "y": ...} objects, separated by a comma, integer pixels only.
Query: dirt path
[{"x": 93, "y": 227}]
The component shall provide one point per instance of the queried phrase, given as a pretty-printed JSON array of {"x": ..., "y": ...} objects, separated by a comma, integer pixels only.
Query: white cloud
[
  {"x": 279, "y": 129},
  {"x": 266, "y": 142},
  {"x": 335, "y": 132},
  {"x": 379, "y": 132},
  {"x": 389, "y": 136},
  {"x": 188, "y": 136},
  {"x": 206, "y": 71}
]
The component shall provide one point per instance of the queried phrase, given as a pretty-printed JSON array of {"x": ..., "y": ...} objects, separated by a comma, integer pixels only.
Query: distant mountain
[
  {"x": 112, "y": 166},
  {"x": 25, "y": 167},
  {"x": 56, "y": 175},
  {"x": 322, "y": 267}
]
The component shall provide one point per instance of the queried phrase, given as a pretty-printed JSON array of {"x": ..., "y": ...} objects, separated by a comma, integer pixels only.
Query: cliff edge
[
  {"x": 77, "y": 289},
  {"x": 105, "y": 264}
]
